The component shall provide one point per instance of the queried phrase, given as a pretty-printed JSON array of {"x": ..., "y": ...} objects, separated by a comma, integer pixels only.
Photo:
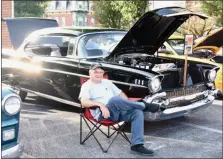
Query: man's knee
[
  {"x": 138, "y": 114},
  {"x": 115, "y": 99}
]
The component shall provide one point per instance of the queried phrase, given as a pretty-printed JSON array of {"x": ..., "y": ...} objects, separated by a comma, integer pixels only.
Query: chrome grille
[{"x": 183, "y": 92}]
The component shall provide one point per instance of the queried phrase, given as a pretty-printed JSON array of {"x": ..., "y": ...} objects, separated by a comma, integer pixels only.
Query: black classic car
[{"x": 54, "y": 62}]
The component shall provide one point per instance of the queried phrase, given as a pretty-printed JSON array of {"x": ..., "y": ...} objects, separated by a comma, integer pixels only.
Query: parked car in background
[
  {"x": 11, "y": 106},
  {"x": 207, "y": 49},
  {"x": 54, "y": 62}
]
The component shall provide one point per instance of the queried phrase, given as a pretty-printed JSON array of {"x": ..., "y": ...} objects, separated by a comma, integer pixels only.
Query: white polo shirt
[{"x": 99, "y": 92}]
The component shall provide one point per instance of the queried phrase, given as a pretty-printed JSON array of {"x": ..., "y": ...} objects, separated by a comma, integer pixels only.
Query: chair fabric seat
[{"x": 104, "y": 122}]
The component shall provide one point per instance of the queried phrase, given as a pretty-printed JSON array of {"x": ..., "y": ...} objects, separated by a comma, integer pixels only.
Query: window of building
[
  {"x": 85, "y": 20},
  {"x": 68, "y": 5},
  {"x": 58, "y": 5},
  {"x": 92, "y": 20},
  {"x": 63, "y": 5},
  {"x": 80, "y": 4},
  {"x": 80, "y": 21},
  {"x": 63, "y": 21},
  {"x": 86, "y": 5}
]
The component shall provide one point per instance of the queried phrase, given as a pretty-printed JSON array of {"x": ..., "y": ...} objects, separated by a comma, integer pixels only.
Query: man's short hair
[{"x": 96, "y": 65}]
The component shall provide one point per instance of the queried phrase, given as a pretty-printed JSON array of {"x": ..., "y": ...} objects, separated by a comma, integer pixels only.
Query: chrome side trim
[
  {"x": 52, "y": 98},
  {"x": 80, "y": 75}
]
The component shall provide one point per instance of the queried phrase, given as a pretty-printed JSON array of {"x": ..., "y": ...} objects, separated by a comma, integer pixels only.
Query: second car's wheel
[{"x": 22, "y": 95}]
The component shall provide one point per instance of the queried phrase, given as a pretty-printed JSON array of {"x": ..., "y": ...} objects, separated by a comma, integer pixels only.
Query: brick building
[
  {"x": 7, "y": 11},
  {"x": 71, "y": 13}
]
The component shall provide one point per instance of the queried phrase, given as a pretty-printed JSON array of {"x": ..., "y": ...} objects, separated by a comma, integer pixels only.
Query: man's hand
[
  {"x": 105, "y": 111},
  {"x": 88, "y": 103}
]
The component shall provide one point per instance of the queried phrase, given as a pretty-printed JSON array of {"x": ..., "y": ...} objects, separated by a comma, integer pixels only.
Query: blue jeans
[{"x": 125, "y": 110}]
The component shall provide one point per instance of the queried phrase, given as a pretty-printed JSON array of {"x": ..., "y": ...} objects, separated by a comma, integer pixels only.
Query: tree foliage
[
  {"x": 196, "y": 26},
  {"x": 214, "y": 9},
  {"x": 30, "y": 8},
  {"x": 119, "y": 14}
]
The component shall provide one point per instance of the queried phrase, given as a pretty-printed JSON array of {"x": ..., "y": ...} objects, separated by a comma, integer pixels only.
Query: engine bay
[{"x": 172, "y": 69}]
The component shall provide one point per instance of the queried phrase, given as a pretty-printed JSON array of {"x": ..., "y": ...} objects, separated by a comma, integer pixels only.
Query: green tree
[
  {"x": 30, "y": 8},
  {"x": 214, "y": 9},
  {"x": 118, "y": 14}
]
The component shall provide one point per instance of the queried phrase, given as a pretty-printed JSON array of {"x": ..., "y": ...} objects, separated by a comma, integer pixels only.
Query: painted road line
[
  {"x": 218, "y": 102},
  {"x": 202, "y": 127}
]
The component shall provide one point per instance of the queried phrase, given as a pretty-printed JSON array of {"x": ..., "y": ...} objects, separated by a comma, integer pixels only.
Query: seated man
[{"x": 114, "y": 105}]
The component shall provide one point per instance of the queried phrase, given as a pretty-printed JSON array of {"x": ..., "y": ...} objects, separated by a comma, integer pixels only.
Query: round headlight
[
  {"x": 212, "y": 75},
  {"x": 11, "y": 104},
  {"x": 154, "y": 85}
]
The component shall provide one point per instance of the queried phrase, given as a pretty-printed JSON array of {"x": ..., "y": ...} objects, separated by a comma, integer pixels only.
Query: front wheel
[{"x": 22, "y": 95}]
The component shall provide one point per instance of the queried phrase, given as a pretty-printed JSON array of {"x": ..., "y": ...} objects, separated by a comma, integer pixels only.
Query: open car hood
[
  {"x": 213, "y": 41},
  {"x": 20, "y": 28},
  {"x": 152, "y": 30}
]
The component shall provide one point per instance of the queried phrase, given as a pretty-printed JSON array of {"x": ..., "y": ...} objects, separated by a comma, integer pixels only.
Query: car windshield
[
  {"x": 99, "y": 44},
  {"x": 218, "y": 59},
  {"x": 49, "y": 45},
  {"x": 177, "y": 45}
]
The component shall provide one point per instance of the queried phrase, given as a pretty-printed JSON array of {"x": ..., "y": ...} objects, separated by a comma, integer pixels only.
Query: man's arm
[
  {"x": 123, "y": 95},
  {"x": 89, "y": 103}
]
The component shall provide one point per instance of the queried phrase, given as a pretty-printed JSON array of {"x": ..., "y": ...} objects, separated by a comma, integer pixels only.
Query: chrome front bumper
[
  {"x": 178, "y": 111},
  {"x": 13, "y": 152}
]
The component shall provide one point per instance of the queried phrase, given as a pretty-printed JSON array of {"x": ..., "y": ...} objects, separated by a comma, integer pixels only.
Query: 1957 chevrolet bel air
[{"x": 52, "y": 62}]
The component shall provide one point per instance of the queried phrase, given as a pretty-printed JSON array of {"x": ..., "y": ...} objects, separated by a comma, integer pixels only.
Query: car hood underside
[{"x": 152, "y": 30}]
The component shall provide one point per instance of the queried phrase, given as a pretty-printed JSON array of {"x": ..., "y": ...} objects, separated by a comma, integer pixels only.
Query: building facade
[
  {"x": 7, "y": 12},
  {"x": 71, "y": 13}
]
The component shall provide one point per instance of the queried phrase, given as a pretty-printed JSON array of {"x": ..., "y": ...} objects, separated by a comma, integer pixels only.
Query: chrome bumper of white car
[
  {"x": 13, "y": 152},
  {"x": 174, "y": 112}
]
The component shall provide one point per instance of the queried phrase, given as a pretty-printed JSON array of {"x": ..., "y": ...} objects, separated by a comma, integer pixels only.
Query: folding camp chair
[{"x": 88, "y": 118}]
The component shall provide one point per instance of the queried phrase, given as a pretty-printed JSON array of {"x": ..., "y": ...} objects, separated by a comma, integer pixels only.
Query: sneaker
[
  {"x": 141, "y": 150},
  {"x": 151, "y": 107}
]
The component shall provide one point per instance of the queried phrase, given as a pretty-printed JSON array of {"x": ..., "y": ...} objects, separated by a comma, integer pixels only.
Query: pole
[
  {"x": 185, "y": 69},
  {"x": 185, "y": 63}
]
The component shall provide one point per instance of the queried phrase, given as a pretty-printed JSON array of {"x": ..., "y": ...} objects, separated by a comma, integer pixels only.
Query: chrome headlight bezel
[
  {"x": 212, "y": 74},
  {"x": 4, "y": 104},
  {"x": 154, "y": 85}
]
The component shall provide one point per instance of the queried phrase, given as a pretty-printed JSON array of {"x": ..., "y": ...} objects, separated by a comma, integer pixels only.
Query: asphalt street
[{"x": 51, "y": 130}]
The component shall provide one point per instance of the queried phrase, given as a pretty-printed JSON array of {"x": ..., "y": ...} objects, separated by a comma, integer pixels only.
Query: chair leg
[
  {"x": 81, "y": 116},
  {"x": 95, "y": 128},
  {"x": 92, "y": 130},
  {"x": 121, "y": 131},
  {"x": 108, "y": 136}
]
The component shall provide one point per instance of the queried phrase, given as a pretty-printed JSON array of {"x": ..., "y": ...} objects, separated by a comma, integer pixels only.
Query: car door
[{"x": 58, "y": 68}]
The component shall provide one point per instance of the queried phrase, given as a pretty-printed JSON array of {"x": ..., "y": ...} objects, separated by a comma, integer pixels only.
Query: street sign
[{"x": 188, "y": 46}]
